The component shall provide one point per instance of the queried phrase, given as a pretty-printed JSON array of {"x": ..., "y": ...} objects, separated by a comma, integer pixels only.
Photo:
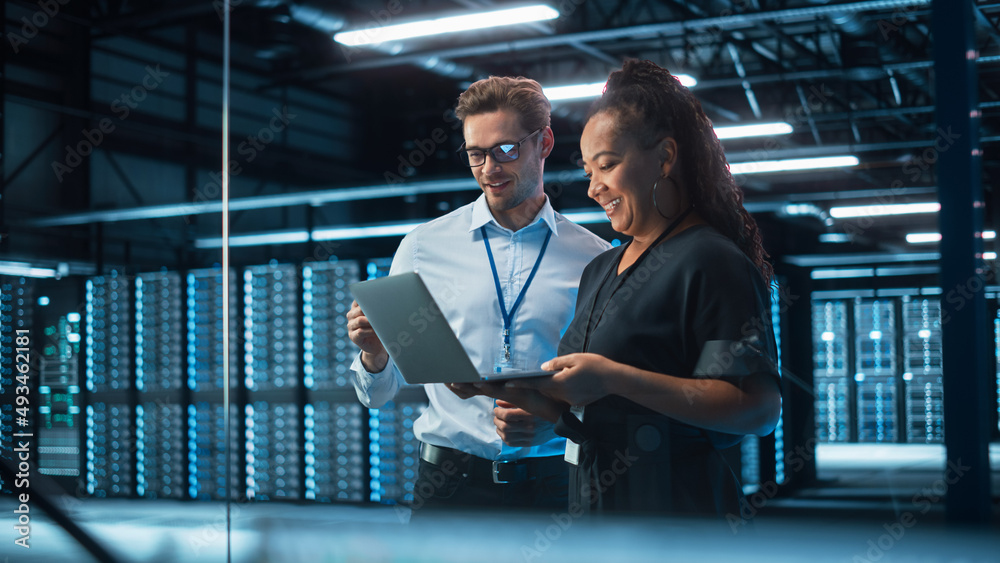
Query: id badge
[
  {"x": 572, "y": 448},
  {"x": 503, "y": 362}
]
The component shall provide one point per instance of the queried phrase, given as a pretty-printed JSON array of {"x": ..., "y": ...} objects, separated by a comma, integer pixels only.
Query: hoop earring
[{"x": 656, "y": 207}]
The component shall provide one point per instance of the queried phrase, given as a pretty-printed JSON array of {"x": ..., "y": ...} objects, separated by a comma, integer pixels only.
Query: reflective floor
[{"x": 874, "y": 504}]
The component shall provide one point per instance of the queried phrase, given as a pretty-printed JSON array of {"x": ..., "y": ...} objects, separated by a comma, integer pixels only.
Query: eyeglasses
[{"x": 507, "y": 152}]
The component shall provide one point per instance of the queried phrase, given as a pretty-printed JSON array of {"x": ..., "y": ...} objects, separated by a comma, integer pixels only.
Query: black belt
[{"x": 497, "y": 471}]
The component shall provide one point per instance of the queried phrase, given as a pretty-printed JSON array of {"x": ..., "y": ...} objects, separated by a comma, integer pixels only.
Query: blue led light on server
[
  {"x": 192, "y": 443},
  {"x": 393, "y": 452},
  {"x": 923, "y": 379},
  {"x": 204, "y": 344},
  {"x": 158, "y": 321},
  {"x": 830, "y": 370},
  {"x": 327, "y": 349},
  {"x": 307, "y": 340},
  {"x": 272, "y": 451},
  {"x": 108, "y": 311},
  {"x": 110, "y": 449},
  {"x": 779, "y": 431},
  {"x": 271, "y": 327}
]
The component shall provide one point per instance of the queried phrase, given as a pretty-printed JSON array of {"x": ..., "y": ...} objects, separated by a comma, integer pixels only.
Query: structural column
[{"x": 967, "y": 389}]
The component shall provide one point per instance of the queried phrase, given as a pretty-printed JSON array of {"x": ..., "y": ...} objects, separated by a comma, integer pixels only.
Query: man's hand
[
  {"x": 359, "y": 330},
  {"x": 531, "y": 400},
  {"x": 519, "y": 428}
]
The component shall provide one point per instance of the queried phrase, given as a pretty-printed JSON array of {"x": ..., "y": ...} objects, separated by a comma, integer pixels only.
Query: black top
[{"x": 692, "y": 289}]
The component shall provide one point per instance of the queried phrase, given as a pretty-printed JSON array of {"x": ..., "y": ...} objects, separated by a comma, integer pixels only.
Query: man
[{"x": 478, "y": 262}]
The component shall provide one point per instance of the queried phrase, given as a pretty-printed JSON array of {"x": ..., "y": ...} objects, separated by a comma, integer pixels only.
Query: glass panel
[{"x": 110, "y": 407}]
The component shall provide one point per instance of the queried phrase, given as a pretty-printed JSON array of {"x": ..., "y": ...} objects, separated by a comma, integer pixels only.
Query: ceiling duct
[
  {"x": 865, "y": 53},
  {"x": 279, "y": 36},
  {"x": 862, "y": 58}
]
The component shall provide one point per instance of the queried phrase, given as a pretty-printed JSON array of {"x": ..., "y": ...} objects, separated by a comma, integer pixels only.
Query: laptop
[{"x": 416, "y": 335}]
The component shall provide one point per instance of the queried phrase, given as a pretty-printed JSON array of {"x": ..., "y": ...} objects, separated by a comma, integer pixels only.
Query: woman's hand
[
  {"x": 581, "y": 379},
  {"x": 530, "y": 400}
]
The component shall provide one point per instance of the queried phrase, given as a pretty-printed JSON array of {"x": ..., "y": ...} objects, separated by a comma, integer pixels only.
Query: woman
[{"x": 669, "y": 357}]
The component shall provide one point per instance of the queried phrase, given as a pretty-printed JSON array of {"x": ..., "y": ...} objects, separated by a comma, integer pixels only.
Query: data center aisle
[{"x": 874, "y": 503}]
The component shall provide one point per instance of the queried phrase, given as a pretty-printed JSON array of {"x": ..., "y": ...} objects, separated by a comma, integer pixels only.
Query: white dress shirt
[{"x": 450, "y": 256}]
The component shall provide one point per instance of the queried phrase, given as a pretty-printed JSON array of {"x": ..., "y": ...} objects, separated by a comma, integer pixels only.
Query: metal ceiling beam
[
  {"x": 313, "y": 198},
  {"x": 814, "y": 260},
  {"x": 547, "y": 30},
  {"x": 826, "y": 150},
  {"x": 631, "y": 32},
  {"x": 787, "y": 198}
]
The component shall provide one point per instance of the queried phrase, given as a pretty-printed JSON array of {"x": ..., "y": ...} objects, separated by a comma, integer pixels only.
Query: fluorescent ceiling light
[
  {"x": 255, "y": 239},
  {"x": 25, "y": 270},
  {"x": 574, "y": 91},
  {"x": 450, "y": 24},
  {"x": 297, "y": 237},
  {"x": 586, "y": 217},
  {"x": 841, "y": 273},
  {"x": 369, "y": 231},
  {"x": 834, "y": 238},
  {"x": 764, "y": 166},
  {"x": 755, "y": 130},
  {"x": 918, "y": 238},
  {"x": 595, "y": 89},
  {"x": 889, "y": 209}
]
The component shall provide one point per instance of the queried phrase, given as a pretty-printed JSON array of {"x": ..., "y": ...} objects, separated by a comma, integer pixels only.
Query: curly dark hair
[{"x": 650, "y": 103}]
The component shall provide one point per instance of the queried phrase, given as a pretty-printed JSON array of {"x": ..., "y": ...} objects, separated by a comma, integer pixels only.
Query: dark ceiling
[{"x": 853, "y": 78}]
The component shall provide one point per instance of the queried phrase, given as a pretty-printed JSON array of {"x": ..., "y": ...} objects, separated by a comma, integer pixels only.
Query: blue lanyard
[{"x": 508, "y": 315}]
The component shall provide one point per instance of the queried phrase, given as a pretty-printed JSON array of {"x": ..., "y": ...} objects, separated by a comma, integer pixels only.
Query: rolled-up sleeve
[{"x": 377, "y": 389}]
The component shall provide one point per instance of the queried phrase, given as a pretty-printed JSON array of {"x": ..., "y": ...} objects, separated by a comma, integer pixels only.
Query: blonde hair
[{"x": 520, "y": 95}]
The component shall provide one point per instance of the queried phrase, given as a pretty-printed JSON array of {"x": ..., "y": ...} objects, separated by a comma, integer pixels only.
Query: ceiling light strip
[
  {"x": 451, "y": 24},
  {"x": 377, "y": 230},
  {"x": 920, "y": 238},
  {"x": 884, "y": 210},
  {"x": 793, "y": 165},
  {"x": 595, "y": 89}
]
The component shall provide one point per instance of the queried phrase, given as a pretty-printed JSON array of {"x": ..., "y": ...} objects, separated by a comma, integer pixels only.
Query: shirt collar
[{"x": 481, "y": 215}]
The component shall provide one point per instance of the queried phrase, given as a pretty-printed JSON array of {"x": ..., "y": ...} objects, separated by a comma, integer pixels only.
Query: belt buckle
[{"x": 520, "y": 471}]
